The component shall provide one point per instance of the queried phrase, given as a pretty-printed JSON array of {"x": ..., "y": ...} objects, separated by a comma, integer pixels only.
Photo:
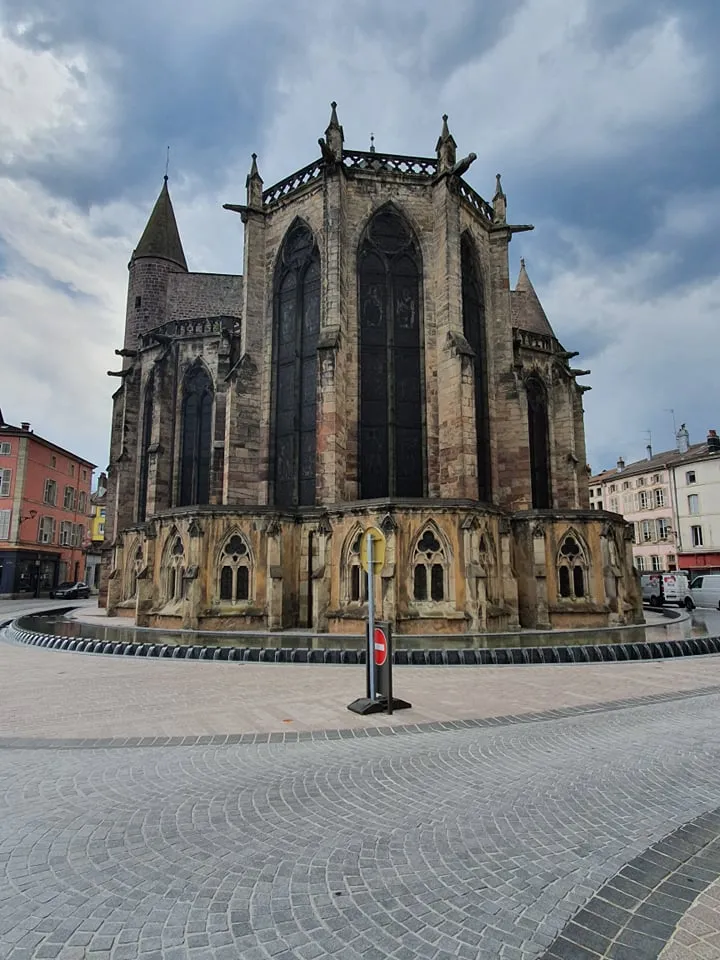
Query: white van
[
  {"x": 705, "y": 590},
  {"x": 659, "y": 588}
]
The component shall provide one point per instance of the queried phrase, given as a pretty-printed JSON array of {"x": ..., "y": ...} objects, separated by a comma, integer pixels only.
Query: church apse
[{"x": 372, "y": 366}]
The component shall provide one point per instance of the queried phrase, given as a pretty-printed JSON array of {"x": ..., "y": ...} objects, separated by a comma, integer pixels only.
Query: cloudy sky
[{"x": 601, "y": 114}]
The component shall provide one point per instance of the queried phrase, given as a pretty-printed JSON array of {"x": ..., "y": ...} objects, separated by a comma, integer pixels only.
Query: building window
[
  {"x": 613, "y": 504},
  {"x": 175, "y": 570},
  {"x": 572, "y": 569},
  {"x": 82, "y": 503},
  {"x": 656, "y": 478},
  {"x": 69, "y": 498},
  {"x": 46, "y": 530},
  {"x": 640, "y": 563},
  {"x": 101, "y": 529},
  {"x": 643, "y": 500},
  {"x": 429, "y": 569},
  {"x": 473, "y": 305},
  {"x": 663, "y": 528},
  {"x": 53, "y": 462},
  {"x": 356, "y": 584},
  {"x": 641, "y": 481},
  {"x": 235, "y": 564},
  {"x": 696, "y": 536},
  {"x": 50, "y": 492},
  {"x": 5, "y": 524},
  {"x": 66, "y": 533},
  {"x": 598, "y": 492},
  {"x": 612, "y": 488},
  {"x": 72, "y": 469},
  {"x": 690, "y": 476},
  {"x": 5, "y": 478},
  {"x": 391, "y": 445},
  {"x": 693, "y": 504},
  {"x": 659, "y": 498},
  {"x": 295, "y": 343},
  {"x": 145, "y": 441},
  {"x": 196, "y": 436},
  {"x": 84, "y": 474},
  {"x": 539, "y": 442},
  {"x": 647, "y": 531},
  {"x": 5, "y": 449},
  {"x": 655, "y": 562},
  {"x": 626, "y": 484},
  {"x": 138, "y": 302}
]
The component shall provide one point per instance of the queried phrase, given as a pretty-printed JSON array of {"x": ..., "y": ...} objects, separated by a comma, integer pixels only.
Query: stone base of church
[{"x": 450, "y": 567}]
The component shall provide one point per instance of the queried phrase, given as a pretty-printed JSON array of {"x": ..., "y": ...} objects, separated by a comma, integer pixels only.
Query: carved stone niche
[
  {"x": 388, "y": 524},
  {"x": 324, "y": 527},
  {"x": 538, "y": 530},
  {"x": 194, "y": 528},
  {"x": 273, "y": 528}
]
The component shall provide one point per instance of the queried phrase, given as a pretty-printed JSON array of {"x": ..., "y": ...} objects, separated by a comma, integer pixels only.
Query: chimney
[
  {"x": 620, "y": 465},
  {"x": 713, "y": 442},
  {"x": 683, "y": 439},
  {"x": 25, "y": 425},
  {"x": 649, "y": 451}
]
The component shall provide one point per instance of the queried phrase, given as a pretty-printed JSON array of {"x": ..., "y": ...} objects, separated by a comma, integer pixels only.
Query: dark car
[{"x": 71, "y": 591}]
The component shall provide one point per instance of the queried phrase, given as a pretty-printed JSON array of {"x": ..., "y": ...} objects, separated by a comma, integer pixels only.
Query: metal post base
[{"x": 364, "y": 705}]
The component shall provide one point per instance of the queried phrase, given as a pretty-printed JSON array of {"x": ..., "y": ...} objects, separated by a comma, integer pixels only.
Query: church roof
[
  {"x": 161, "y": 237},
  {"x": 526, "y": 309}
]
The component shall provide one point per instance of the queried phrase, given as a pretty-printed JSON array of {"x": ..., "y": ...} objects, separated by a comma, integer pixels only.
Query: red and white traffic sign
[{"x": 380, "y": 647}]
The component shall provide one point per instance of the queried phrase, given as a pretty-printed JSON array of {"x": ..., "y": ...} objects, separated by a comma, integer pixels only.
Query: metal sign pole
[{"x": 371, "y": 614}]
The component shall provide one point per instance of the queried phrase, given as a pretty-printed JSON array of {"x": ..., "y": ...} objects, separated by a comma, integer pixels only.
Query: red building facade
[{"x": 44, "y": 508}]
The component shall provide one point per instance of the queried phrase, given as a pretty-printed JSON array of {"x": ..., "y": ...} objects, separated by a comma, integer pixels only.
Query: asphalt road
[{"x": 465, "y": 843}]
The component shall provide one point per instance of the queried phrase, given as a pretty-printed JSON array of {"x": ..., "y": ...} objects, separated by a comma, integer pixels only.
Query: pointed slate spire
[
  {"x": 527, "y": 311},
  {"x": 254, "y": 185},
  {"x": 334, "y": 136},
  {"x": 446, "y": 148},
  {"x": 499, "y": 202},
  {"x": 161, "y": 237}
]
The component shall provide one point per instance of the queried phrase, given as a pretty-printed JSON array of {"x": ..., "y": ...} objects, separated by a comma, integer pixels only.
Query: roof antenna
[
  {"x": 167, "y": 163},
  {"x": 372, "y": 143}
]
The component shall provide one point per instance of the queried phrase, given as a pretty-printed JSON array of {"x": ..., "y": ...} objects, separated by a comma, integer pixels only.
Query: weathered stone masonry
[{"x": 236, "y": 494}]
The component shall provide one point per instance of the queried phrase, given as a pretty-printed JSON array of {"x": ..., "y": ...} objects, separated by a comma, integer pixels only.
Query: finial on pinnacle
[
  {"x": 372, "y": 143},
  {"x": 332, "y": 145},
  {"x": 446, "y": 148},
  {"x": 254, "y": 185},
  {"x": 167, "y": 164},
  {"x": 499, "y": 202}
]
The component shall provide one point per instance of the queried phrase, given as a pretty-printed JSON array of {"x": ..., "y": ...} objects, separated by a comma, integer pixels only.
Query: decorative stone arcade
[{"x": 371, "y": 366}]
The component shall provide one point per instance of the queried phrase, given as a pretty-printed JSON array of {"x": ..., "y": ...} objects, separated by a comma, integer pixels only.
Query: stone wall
[{"x": 204, "y": 295}]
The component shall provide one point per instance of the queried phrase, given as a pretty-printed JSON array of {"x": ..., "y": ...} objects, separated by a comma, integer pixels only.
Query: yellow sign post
[{"x": 374, "y": 555}]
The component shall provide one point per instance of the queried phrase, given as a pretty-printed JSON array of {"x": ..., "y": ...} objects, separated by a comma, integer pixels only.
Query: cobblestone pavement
[
  {"x": 698, "y": 933},
  {"x": 466, "y": 843}
]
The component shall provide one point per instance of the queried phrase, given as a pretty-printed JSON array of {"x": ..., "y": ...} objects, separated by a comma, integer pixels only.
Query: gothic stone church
[{"x": 371, "y": 366}]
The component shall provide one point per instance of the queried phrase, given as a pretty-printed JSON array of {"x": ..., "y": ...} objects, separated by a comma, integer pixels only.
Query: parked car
[
  {"x": 705, "y": 591},
  {"x": 659, "y": 588},
  {"x": 71, "y": 591}
]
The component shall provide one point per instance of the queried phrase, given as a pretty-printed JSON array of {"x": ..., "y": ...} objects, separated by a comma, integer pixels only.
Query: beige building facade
[{"x": 373, "y": 365}]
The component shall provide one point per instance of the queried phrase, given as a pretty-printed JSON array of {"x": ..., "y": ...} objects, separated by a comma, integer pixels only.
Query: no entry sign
[{"x": 380, "y": 647}]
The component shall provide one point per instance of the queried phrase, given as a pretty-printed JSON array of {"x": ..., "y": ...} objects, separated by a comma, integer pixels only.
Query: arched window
[
  {"x": 145, "y": 441},
  {"x": 235, "y": 565},
  {"x": 355, "y": 579},
  {"x": 297, "y": 326},
  {"x": 539, "y": 443},
  {"x": 136, "y": 565},
  {"x": 473, "y": 302},
  {"x": 391, "y": 395},
  {"x": 175, "y": 570},
  {"x": 430, "y": 569},
  {"x": 572, "y": 569},
  {"x": 196, "y": 436}
]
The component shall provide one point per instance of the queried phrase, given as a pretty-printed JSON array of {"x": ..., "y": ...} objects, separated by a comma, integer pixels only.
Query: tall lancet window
[
  {"x": 297, "y": 326},
  {"x": 197, "y": 407},
  {"x": 391, "y": 391},
  {"x": 145, "y": 441},
  {"x": 473, "y": 301},
  {"x": 539, "y": 442}
]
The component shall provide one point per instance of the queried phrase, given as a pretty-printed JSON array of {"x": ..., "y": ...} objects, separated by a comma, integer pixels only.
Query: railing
[
  {"x": 390, "y": 162},
  {"x": 533, "y": 341},
  {"x": 292, "y": 183},
  {"x": 476, "y": 201},
  {"x": 196, "y": 327}
]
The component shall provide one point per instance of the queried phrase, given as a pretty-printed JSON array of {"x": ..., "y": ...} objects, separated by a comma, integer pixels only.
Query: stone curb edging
[
  {"x": 348, "y": 733},
  {"x": 634, "y": 914},
  {"x": 500, "y": 656}
]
